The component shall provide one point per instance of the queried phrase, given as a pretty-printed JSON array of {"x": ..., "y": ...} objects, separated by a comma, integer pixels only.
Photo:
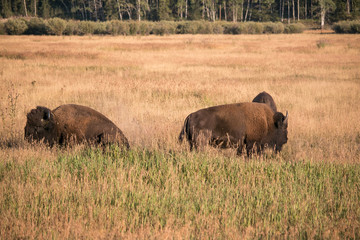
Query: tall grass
[
  {"x": 147, "y": 86},
  {"x": 90, "y": 193}
]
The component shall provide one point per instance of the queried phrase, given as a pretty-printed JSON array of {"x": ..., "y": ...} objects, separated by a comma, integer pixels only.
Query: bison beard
[
  {"x": 72, "y": 124},
  {"x": 253, "y": 125}
]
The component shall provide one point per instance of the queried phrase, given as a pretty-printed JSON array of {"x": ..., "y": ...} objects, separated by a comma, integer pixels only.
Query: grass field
[{"x": 147, "y": 86}]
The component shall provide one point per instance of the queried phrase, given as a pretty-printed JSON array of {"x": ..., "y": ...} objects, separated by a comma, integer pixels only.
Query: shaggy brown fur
[
  {"x": 254, "y": 125},
  {"x": 72, "y": 124},
  {"x": 266, "y": 98}
]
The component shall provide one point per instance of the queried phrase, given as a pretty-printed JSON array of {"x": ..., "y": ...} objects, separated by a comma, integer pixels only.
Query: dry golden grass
[{"x": 147, "y": 85}]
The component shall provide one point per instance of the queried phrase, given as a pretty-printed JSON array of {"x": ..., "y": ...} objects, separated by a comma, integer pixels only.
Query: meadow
[{"x": 147, "y": 85}]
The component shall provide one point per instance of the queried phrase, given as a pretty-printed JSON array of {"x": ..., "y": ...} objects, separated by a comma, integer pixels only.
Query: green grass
[{"x": 110, "y": 194}]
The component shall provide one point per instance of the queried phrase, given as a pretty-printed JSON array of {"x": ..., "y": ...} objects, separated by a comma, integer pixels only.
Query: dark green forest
[{"x": 286, "y": 11}]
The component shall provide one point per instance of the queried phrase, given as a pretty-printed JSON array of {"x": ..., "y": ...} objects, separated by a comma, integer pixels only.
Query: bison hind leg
[{"x": 201, "y": 139}]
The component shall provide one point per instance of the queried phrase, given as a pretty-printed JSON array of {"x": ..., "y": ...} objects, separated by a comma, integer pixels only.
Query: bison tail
[{"x": 185, "y": 130}]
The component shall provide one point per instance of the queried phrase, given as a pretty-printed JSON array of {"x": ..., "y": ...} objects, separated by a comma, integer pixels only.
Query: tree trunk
[
  {"x": 234, "y": 13},
  {"x": 95, "y": 10},
  {"x": 322, "y": 17},
  {"x": 119, "y": 8},
  {"x": 225, "y": 15},
  {"x": 247, "y": 10},
  {"x": 203, "y": 10},
  {"x": 213, "y": 11},
  {"x": 305, "y": 11},
  {"x": 348, "y": 7},
  {"x": 186, "y": 8},
  {"x": 250, "y": 11},
  {"x": 138, "y": 10},
  {"x": 25, "y": 8},
  {"x": 298, "y": 10},
  {"x": 242, "y": 11},
  {"x": 282, "y": 10},
  {"x": 260, "y": 10},
  {"x": 34, "y": 8},
  {"x": 219, "y": 12},
  {"x": 288, "y": 11},
  {"x": 293, "y": 12},
  {"x": 181, "y": 12},
  {"x": 67, "y": 9},
  {"x": 84, "y": 11}
]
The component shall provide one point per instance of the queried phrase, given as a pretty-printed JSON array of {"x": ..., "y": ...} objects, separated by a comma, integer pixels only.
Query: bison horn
[{"x": 286, "y": 118}]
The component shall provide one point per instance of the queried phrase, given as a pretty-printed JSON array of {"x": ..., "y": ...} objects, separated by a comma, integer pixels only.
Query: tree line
[{"x": 210, "y": 10}]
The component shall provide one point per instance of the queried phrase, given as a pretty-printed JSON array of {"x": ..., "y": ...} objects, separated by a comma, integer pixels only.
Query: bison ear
[
  {"x": 280, "y": 119},
  {"x": 47, "y": 114}
]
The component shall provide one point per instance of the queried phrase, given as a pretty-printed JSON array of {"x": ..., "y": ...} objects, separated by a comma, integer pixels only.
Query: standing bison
[
  {"x": 72, "y": 124},
  {"x": 253, "y": 125},
  {"x": 266, "y": 98}
]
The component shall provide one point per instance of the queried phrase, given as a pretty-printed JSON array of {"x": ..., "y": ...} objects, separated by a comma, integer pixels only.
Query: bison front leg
[
  {"x": 239, "y": 150},
  {"x": 240, "y": 147},
  {"x": 252, "y": 148}
]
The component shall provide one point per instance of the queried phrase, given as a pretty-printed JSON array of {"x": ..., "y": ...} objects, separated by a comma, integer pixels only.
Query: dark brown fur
[
  {"x": 266, "y": 98},
  {"x": 253, "y": 125},
  {"x": 72, "y": 124}
]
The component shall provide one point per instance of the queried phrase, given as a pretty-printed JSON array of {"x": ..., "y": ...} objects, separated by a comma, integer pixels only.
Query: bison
[
  {"x": 72, "y": 123},
  {"x": 253, "y": 125},
  {"x": 266, "y": 98}
]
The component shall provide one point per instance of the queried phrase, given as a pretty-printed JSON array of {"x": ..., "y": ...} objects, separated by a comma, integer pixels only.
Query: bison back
[
  {"x": 87, "y": 124},
  {"x": 233, "y": 121}
]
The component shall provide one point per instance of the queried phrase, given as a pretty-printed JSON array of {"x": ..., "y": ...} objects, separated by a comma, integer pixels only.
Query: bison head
[
  {"x": 40, "y": 126},
  {"x": 281, "y": 124}
]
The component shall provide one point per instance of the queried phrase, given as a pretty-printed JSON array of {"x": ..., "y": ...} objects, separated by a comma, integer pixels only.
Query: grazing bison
[
  {"x": 72, "y": 123},
  {"x": 253, "y": 125},
  {"x": 266, "y": 98}
]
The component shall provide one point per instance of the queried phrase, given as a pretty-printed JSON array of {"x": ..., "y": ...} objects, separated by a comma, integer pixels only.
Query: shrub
[
  {"x": 203, "y": 27},
  {"x": 36, "y": 26},
  {"x": 133, "y": 27},
  {"x": 253, "y": 28},
  {"x": 2, "y": 28},
  {"x": 72, "y": 28},
  {"x": 163, "y": 28},
  {"x": 218, "y": 28},
  {"x": 116, "y": 27},
  {"x": 56, "y": 26},
  {"x": 199, "y": 27},
  {"x": 342, "y": 27},
  {"x": 86, "y": 27},
  {"x": 294, "y": 28},
  {"x": 15, "y": 26},
  {"x": 347, "y": 27},
  {"x": 233, "y": 28},
  {"x": 145, "y": 28},
  {"x": 100, "y": 28},
  {"x": 271, "y": 27},
  {"x": 185, "y": 28},
  {"x": 355, "y": 27}
]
